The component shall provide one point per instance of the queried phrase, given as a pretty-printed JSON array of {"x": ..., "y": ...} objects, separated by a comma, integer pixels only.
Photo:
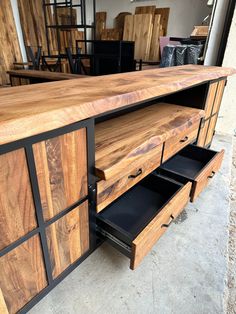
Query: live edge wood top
[
  {"x": 47, "y": 75},
  {"x": 124, "y": 140},
  {"x": 30, "y": 110}
]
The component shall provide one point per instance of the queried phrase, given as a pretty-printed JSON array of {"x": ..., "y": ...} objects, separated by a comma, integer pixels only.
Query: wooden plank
[
  {"x": 33, "y": 24},
  {"x": 164, "y": 12},
  {"x": 129, "y": 28},
  {"x": 100, "y": 20},
  {"x": 210, "y": 99},
  {"x": 203, "y": 178},
  {"x": 219, "y": 96},
  {"x": 211, "y": 130},
  {"x": 146, "y": 10},
  {"x": 147, "y": 128},
  {"x": 142, "y": 35},
  {"x": 68, "y": 239},
  {"x": 22, "y": 274},
  {"x": 120, "y": 22},
  {"x": 200, "y": 31},
  {"x": 109, "y": 190},
  {"x": 203, "y": 133},
  {"x": 155, "y": 41},
  {"x": 3, "y": 306},
  {"x": 144, "y": 242},
  {"x": 111, "y": 34},
  {"x": 176, "y": 143},
  {"x": 61, "y": 165},
  {"x": 9, "y": 44},
  {"x": 26, "y": 111},
  {"x": 47, "y": 75},
  {"x": 17, "y": 212}
]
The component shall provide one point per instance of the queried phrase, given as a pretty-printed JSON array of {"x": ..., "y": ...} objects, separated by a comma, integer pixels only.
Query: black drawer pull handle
[
  {"x": 212, "y": 175},
  {"x": 167, "y": 225},
  {"x": 184, "y": 139},
  {"x": 133, "y": 176}
]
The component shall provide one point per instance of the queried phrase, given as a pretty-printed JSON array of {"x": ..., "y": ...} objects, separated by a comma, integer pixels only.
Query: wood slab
[
  {"x": 164, "y": 12},
  {"x": 154, "y": 54},
  {"x": 142, "y": 35},
  {"x": 47, "y": 75},
  {"x": 128, "y": 28},
  {"x": 100, "y": 20},
  {"x": 9, "y": 43},
  {"x": 27, "y": 110},
  {"x": 147, "y": 129}
]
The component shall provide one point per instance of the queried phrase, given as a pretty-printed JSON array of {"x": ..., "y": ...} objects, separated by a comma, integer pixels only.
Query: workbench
[
  {"x": 114, "y": 158},
  {"x": 25, "y": 77}
]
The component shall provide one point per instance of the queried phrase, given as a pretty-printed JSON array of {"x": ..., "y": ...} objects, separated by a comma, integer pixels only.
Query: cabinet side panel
[
  {"x": 61, "y": 165},
  {"x": 22, "y": 274},
  {"x": 68, "y": 239},
  {"x": 17, "y": 212}
]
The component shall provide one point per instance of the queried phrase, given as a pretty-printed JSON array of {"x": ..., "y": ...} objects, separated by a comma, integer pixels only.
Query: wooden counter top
[
  {"x": 120, "y": 141},
  {"x": 30, "y": 110},
  {"x": 47, "y": 75}
]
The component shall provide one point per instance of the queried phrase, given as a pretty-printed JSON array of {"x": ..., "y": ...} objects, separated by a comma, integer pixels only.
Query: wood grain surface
[
  {"x": 164, "y": 12},
  {"x": 142, "y": 35},
  {"x": 3, "y": 306},
  {"x": 211, "y": 129},
  {"x": 129, "y": 28},
  {"x": 109, "y": 190},
  {"x": 147, "y": 129},
  {"x": 203, "y": 133},
  {"x": 17, "y": 212},
  {"x": 176, "y": 143},
  {"x": 22, "y": 274},
  {"x": 61, "y": 166},
  {"x": 47, "y": 75},
  {"x": 144, "y": 242},
  {"x": 26, "y": 111},
  {"x": 68, "y": 239},
  {"x": 154, "y": 54},
  {"x": 100, "y": 20},
  {"x": 210, "y": 99},
  {"x": 9, "y": 43},
  {"x": 219, "y": 96},
  {"x": 202, "y": 179}
]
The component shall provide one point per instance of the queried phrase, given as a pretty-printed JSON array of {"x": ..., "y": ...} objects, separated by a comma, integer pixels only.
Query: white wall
[
  {"x": 227, "y": 117},
  {"x": 184, "y": 14}
]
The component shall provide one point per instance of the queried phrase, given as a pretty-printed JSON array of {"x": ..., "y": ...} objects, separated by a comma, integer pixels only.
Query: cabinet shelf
[{"x": 125, "y": 140}]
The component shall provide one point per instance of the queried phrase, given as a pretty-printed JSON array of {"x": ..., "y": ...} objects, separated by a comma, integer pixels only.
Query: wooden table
[
  {"x": 113, "y": 158},
  {"x": 25, "y": 77}
]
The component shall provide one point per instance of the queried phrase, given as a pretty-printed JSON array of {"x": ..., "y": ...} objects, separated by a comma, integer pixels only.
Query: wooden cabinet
[
  {"x": 61, "y": 165},
  {"x": 22, "y": 274},
  {"x": 44, "y": 214},
  {"x": 68, "y": 239},
  {"x": 17, "y": 212}
]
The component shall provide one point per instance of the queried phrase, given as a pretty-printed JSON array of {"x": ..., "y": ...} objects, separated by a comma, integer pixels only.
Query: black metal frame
[
  {"x": 27, "y": 144},
  {"x": 84, "y": 26}
]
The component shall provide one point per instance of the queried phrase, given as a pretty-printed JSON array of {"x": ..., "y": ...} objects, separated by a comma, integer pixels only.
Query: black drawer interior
[
  {"x": 188, "y": 163},
  {"x": 128, "y": 215}
]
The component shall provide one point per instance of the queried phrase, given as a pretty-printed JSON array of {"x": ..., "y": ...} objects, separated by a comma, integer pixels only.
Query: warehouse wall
[
  {"x": 227, "y": 117},
  {"x": 184, "y": 14}
]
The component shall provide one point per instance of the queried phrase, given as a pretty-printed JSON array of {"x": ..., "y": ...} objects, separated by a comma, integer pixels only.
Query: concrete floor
[{"x": 186, "y": 272}]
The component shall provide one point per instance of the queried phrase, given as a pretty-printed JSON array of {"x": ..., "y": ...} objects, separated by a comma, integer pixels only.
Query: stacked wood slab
[{"x": 145, "y": 28}]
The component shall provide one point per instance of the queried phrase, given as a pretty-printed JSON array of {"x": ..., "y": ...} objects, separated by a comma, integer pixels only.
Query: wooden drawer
[
  {"x": 134, "y": 222},
  {"x": 175, "y": 144},
  {"x": 195, "y": 164},
  {"x": 110, "y": 190}
]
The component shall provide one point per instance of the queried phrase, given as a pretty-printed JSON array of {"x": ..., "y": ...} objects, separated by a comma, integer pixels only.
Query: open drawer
[
  {"x": 195, "y": 164},
  {"x": 135, "y": 221}
]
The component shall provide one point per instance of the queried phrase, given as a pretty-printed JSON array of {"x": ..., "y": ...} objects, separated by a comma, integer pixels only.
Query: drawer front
[
  {"x": 110, "y": 190},
  {"x": 144, "y": 242},
  {"x": 175, "y": 144},
  {"x": 206, "y": 174}
]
